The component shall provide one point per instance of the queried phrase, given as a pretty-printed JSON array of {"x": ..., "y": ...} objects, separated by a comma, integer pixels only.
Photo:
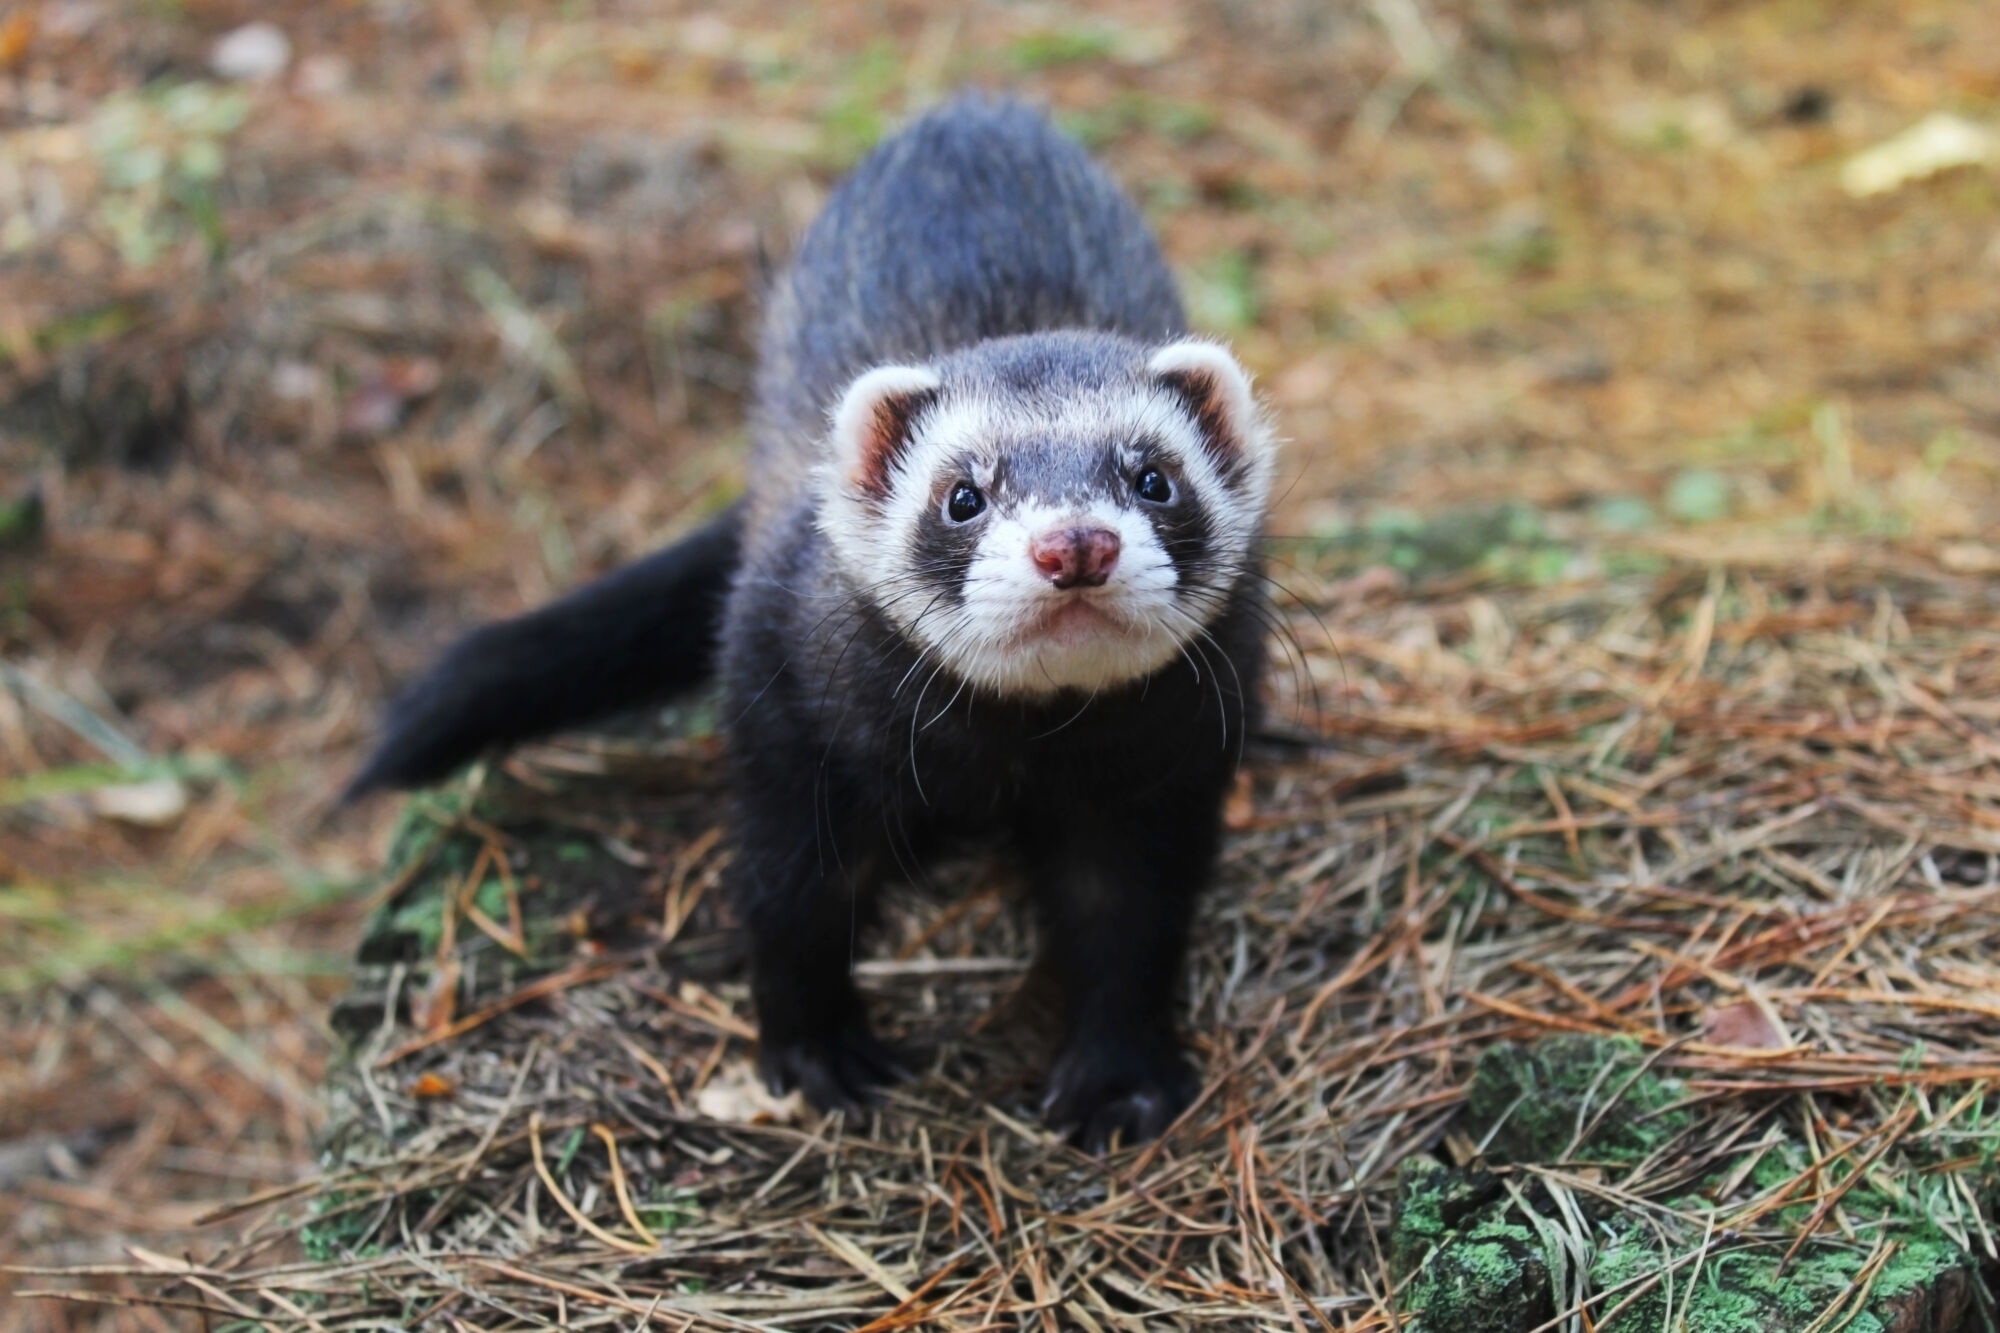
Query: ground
[{"x": 1637, "y": 523}]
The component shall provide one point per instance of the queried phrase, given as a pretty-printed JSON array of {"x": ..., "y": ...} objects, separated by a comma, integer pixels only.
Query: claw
[
  {"x": 1103, "y": 1093},
  {"x": 843, "y": 1071}
]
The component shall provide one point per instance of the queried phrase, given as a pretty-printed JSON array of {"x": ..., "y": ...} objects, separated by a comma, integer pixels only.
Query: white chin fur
[{"x": 1038, "y": 666}]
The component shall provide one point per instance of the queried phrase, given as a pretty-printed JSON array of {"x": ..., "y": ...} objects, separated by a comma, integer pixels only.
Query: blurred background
[{"x": 327, "y": 330}]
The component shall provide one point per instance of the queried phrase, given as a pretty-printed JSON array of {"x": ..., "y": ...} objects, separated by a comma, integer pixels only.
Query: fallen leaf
[
  {"x": 1746, "y": 1026},
  {"x": 1970, "y": 558},
  {"x": 154, "y": 804},
  {"x": 1939, "y": 142},
  {"x": 430, "y": 1087},
  {"x": 252, "y": 53},
  {"x": 412, "y": 376},
  {"x": 1239, "y": 812},
  {"x": 434, "y": 1005},
  {"x": 1698, "y": 495},
  {"x": 377, "y": 404},
  {"x": 735, "y": 1095},
  {"x": 16, "y": 35}
]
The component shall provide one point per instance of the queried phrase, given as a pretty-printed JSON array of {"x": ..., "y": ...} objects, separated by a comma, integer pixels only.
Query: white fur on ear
[
  {"x": 872, "y": 423},
  {"x": 1216, "y": 390}
]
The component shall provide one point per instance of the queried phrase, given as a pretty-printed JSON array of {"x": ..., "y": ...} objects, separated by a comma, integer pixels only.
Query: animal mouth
[{"x": 1072, "y": 620}]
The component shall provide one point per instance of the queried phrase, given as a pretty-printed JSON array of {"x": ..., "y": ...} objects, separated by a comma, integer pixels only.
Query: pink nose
[{"x": 1075, "y": 557}]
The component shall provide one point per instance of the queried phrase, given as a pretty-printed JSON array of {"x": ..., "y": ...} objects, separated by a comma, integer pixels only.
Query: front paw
[
  {"x": 1107, "y": 1089},
  {"x": 837, "y": 1071}
]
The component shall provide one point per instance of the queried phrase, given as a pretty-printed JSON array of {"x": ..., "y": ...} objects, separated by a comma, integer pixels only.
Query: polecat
[{"x": 997, "y": 570}]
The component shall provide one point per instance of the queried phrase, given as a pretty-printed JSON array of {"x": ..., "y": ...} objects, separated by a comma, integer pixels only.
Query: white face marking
[
  {"x": 1010, "y": 630},
  {"x": 1017, "y": 633}
]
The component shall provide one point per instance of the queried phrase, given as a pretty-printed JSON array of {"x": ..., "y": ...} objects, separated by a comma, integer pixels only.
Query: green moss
[
  {"x": 433, "y": 856},
  {"x": 671, "y": 1209},
  {"x": 341, "y": 1227},
  {"x": 1462, "y": 1262},
  {"x": 1821, "y": 1274},
  {"x": 1918, "y": 1262},
  {"x": 1128, "y": 112},
  {"x": 22, "y": 519},
  {"x": 1534, "y": 1100},
  {"x": 1633, "y": 1254},
  {"x": 1743, "y": 1291},
  {"x": 857, "y": 115},
  {"x": 1465, "y": 1262},
  {"x": 422, "y": 821},
  {"x": 1716, "y": 1305},
  {"x": 1780, "y": 1166},
  {"x": 1060, "y": 46},
  {"x": 1434, "y": 1201},
  {"x": 412, "y": 926},
  {"x": 1507, "y": 543},
  {"x": 337, "y": 1224},
  {"x": 1222, "y": 292},
  {"x": 1492, "y": 1276},
  {"x": 1699, "y": 495},
  {"x": 1775, "y": 1167},
  {"x": 162, "y": 154}
]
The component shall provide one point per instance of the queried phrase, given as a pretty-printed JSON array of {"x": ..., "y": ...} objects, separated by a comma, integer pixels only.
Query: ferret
[{"x": 996, "y": 571}]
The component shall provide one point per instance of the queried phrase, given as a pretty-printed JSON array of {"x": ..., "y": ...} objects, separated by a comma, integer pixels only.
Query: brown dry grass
[
  {"x": 1729, "y": 815},
  {"x": 1565, "y": 254}
]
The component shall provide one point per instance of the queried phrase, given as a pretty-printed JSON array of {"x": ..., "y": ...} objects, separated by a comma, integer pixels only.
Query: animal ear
[
  {"x": 1215, "y": 391},
  {"x": 871, "y": 426}
]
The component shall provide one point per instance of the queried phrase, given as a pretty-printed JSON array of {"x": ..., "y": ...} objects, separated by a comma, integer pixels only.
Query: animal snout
[{"x": 1076, "y": 557}]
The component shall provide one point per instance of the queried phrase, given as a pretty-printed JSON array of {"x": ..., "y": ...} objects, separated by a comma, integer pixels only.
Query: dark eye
[
  {"x": 965, "y": 503},
  {"x": 1153, "y": 486}
]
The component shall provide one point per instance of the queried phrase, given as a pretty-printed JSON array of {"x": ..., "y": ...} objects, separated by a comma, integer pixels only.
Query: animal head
[{"x": 1058, "y": 511}]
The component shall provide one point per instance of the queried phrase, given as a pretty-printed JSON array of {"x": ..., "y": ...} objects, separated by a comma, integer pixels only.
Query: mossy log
[{"x": 1499, "y": 1245}]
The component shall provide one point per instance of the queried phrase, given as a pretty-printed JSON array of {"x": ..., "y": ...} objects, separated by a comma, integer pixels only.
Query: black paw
[
  {"x": 1108, "y": 1091},
  {"x": 840, "y": 1071}
]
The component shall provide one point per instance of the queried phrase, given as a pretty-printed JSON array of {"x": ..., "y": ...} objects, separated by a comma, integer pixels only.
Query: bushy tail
[{"x": 638, "y": 635}]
